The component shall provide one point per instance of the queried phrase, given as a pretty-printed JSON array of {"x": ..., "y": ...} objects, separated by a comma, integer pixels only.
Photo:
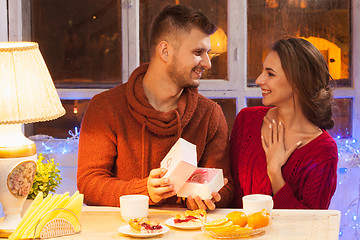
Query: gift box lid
[{"x": 181, "y": 162}]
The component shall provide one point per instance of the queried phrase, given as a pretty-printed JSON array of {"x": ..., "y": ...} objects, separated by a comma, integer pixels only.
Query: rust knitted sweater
[{"x": 123, "y": 138}]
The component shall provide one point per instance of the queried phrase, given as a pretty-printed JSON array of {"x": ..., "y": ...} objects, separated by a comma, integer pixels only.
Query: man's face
[{"x": 189, "y": 59}]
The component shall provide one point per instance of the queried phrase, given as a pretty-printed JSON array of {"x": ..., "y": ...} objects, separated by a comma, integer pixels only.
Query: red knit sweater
[
  {"x": 309, "y": 173},
  {"x": 123, "y": 138}
]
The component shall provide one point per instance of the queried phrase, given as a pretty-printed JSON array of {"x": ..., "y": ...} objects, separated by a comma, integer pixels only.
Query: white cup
[
  {"x": 256, "y": 202},
  {"x": 134, "y": 206}
]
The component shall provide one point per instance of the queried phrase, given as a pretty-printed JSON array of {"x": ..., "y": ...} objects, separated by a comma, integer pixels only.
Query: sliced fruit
[
  {"x": 242, "y": 229},
  {"x": 216, "y": 222},
  {"x": 225, "y": 225},
  {"x": 225, "y": 229}
]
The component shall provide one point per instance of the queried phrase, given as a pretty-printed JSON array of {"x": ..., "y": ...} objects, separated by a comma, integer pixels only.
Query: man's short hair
[{"x": 176, "y": 18}]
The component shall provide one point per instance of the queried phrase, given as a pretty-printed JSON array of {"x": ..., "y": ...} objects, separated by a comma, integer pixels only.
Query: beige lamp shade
[{"x": 27, "y": 92}]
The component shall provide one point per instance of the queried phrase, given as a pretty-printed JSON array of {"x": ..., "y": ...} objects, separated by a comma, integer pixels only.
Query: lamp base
[
  {"x": 17, "y": 171},
  {"x": 10, "y": 222},
  {"x": 5, "y": 233},
  {"x": 16, "y": 178}
]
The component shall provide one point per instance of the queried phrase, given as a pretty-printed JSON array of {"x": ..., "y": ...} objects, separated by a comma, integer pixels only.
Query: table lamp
[{"x": 27, "y": 94}]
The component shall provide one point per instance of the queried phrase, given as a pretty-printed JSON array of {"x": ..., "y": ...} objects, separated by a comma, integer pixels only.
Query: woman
[{"x": 284, "y": 150}]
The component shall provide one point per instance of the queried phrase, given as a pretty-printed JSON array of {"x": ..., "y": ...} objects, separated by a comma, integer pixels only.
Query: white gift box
[
  {"x": 180, "y": 162},
  {"x": 202, "y": 184},
  {"x": 188, "y": 180}
]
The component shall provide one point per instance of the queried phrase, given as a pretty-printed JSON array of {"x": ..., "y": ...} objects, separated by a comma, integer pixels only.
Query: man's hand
[
  {"x": 196, "y": 202},
  {"x": 159, "y": 188}
]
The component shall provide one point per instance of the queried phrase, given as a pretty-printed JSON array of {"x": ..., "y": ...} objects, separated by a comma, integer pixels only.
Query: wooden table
[{"x": 102, "y": 223}]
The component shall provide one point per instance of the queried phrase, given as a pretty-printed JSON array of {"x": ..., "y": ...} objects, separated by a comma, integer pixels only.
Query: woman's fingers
[
  {"x": 292, "y": 149},
  {"x": 270, "y": 142},
  {"x": 275, "y": 131},
  {"x": 281, "y": 132},
  {"x": 264, "y": 144},
  {"x": 267, "y": 121}
]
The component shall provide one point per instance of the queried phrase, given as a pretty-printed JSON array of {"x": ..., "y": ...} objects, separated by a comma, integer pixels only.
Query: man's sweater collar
[{"x": 159, "y": 123}]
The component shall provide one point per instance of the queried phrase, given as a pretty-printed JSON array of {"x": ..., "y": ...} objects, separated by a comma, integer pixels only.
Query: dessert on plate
[
  {"x": 191, "y": 217},
  {"x": 144, "y": 225}
]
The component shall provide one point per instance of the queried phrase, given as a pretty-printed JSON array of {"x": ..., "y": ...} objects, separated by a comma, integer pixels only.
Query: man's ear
[{"x": 163, "y": 50}]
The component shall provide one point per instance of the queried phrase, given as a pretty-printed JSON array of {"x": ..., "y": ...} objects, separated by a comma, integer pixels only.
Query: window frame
[{"x": 15, "y": 26}]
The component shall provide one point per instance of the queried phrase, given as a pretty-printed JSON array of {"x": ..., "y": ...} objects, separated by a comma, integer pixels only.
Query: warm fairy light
[
  {"x": 272, "y": 3},
  {"x": 332, "y": 55},
  {"x": 218, "y": 43}
]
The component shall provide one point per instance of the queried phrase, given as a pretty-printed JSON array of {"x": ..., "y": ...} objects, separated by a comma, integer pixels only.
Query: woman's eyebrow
[{"x": 270, "y": 69}]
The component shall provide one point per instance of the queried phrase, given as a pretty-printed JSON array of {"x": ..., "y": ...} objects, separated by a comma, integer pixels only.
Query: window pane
[
  {"x": 80, "y": 41},
  {"x": 325, "y": 23},
  {"x": 252, "y": 102},
  {"x": 59, "y": 128},
  {"x": 341, "y": 112},
  {"x": 214, "y": 9}
]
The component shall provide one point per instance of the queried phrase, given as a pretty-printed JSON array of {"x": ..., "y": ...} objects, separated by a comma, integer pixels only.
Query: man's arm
[{"x": 98, "y": 151}]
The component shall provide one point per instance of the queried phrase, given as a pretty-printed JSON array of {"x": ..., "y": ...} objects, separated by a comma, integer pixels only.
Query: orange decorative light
[{"x": 218, "y": 43}]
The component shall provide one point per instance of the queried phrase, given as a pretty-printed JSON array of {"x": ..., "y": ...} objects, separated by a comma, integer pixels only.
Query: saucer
[
  {"x": 127, "y": 231},
  {"x": 170, "y": 222}
]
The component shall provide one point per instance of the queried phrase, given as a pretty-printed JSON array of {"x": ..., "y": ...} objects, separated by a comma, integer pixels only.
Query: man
[{"x": 127, "y": 131}]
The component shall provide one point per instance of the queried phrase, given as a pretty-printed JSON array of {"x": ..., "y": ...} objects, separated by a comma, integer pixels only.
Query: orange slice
[
  {"x": 216, "y": 222},
  {"x": 226, "y": 226}
]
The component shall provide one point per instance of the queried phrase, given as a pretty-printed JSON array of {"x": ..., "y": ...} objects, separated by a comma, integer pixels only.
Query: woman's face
[{"x": 275, "y": 88}]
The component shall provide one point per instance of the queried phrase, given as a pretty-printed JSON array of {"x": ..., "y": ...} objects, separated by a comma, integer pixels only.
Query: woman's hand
[{"x": 276, "y": 153}]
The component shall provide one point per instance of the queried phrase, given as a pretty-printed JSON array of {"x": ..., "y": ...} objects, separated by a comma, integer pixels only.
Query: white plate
[
  {"x": 127, "y": 231},
  {"x": 170, "y": 222}
]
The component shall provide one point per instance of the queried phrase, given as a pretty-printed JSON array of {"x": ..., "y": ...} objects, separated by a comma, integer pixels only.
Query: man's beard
[{"x": 178, "y": 75}]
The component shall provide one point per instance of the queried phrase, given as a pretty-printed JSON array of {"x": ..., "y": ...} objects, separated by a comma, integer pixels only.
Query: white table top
[{"x": 103, "y": 223}]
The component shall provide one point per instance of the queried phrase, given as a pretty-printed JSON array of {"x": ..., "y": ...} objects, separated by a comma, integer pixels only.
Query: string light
[
  {"x": 349, "y": 159},
  {"x": 51, "y": 145},
  {"x": 75, "y": 108}
]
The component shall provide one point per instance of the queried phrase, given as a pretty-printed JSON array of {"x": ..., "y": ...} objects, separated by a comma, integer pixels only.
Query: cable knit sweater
[
  {"x": 309, "y": 173},
  {"x": 123, "y": 138}
]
